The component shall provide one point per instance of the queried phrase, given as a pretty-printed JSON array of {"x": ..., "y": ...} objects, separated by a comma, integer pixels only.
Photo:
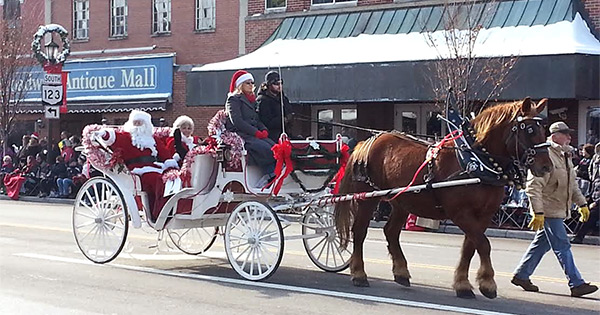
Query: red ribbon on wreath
[
  {"x": 340, "y": 174},
  {"x": 282, "y": 152}
]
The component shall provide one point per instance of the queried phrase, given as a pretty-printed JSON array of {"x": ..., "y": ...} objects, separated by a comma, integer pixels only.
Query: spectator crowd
[{"x": 43, "y": 169}]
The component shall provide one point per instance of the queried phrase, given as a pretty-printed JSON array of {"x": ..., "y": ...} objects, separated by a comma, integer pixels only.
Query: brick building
[
  {"x": 131, "y": 54},
  {"x": 331, "y": 75}
]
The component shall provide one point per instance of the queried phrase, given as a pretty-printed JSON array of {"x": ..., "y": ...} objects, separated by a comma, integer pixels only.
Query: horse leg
[
  {"x": 362, "y": 219},
  {"x": 485, "y": 274},
  {"x": 461, "y": 285},
  {"x": 392, "y": 230}
]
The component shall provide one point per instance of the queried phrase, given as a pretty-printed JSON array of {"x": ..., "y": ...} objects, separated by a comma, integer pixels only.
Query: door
[{"x": 419, "y": 120}]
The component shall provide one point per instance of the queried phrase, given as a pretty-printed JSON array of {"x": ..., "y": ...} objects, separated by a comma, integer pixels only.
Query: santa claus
[{"x": 142, "y": 153}]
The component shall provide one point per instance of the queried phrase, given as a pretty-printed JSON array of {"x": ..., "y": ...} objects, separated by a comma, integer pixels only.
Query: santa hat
[
  {"x": 238, "y": 78},
  {"x": 35, "y": 136},
  {"x": 140, "y": 115}
]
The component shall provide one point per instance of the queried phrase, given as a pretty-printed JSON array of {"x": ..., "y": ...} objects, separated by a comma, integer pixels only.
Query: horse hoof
[
  {"x": 360, "y": 282},
  {"x": 490, "y": 294},
  {"x": 465, "y": 294},
  {"x": 402, "y": 280}
]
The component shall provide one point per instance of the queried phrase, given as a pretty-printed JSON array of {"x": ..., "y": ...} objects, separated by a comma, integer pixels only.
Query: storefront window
[
  {"x": 409, "y": 122},
  {"x": 325, "y": 131},
  {"x": 593, "y": 125}
]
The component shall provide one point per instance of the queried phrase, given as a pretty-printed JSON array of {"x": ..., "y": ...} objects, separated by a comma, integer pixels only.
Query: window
[
  {"x": 81, "y": 19},
  {"x": 274, "y": 4},
  {"x": 118, "y": 18},
  {"x": 205, "y": 15},
  {"x": 11, "y": 11},
  {"x": 323, "y": 129},
  {"x": 161, "y": 16},
  {"x": 330, "y": 1}
]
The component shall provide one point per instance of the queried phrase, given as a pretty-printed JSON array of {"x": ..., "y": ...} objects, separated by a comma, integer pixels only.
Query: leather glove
[
  {"x": 265, "y": 134},
  {"x": 170, "y": 163},
  {"x": 584, "y": 211},
  {"x": 537, "y": 222},
  {"x": 261, "y": 134}
]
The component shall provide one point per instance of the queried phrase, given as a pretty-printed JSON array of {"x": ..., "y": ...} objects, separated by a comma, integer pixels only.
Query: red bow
[
  {"x": 340, "y": 174},
  {"x": 282, "y": 152}
]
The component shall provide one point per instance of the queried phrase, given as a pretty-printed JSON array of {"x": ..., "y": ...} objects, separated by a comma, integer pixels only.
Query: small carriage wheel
[
  {"x": 194, "y": 241},
  {"x": 254, "y": 240},
  {"x": 321, "y": 240},
  {"x": 100, "y": 220}
]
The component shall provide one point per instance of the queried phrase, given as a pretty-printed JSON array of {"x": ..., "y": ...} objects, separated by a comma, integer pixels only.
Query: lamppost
[{"x": 54, "y": 88}]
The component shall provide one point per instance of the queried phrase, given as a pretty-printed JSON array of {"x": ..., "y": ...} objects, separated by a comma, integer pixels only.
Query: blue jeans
[
  {"x": 63, "y": 186},
  {"x": 552, "y": 236}
]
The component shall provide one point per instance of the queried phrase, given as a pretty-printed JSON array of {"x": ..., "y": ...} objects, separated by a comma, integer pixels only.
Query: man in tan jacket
[{"x": 551, "y": 197}]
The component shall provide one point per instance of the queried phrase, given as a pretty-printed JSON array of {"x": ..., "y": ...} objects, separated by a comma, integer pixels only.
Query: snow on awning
[{"x": 563, "y": 37}]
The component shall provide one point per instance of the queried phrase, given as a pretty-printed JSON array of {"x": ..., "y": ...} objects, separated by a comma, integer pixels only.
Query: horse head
[{"x": 526, "y": 140}]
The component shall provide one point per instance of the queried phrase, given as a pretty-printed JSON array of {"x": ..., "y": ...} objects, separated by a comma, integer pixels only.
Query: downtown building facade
[
  {"x": 128, "y": 55},
  {"x": 366, "y": 62},
  {"x": 356, "y": 62}
]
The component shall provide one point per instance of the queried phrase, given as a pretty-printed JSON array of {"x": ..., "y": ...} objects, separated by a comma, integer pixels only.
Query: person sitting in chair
[
  {"x": 242, "y": 114},
  {"x": 141, "y": 151}
]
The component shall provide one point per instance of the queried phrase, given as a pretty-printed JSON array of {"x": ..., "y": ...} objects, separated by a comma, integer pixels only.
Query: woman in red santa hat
[
  {"x": 242, "y": 111},
  {"x": 141, "y": 152},
  {"x": 181, "y": 140}
]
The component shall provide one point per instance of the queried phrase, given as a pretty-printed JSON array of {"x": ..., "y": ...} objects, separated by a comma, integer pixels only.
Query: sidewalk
[{"x": 450, "y": 229}]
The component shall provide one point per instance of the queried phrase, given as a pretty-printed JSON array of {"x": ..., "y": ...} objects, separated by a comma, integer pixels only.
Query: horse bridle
[{"x": 529, "y": 150}]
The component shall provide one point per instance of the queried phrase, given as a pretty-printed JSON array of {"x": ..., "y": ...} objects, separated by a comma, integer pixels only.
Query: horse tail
[{"x": 344, "y": 211}]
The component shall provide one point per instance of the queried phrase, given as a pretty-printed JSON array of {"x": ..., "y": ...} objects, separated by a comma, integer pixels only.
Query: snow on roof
[{"x": 564, "y": 37}]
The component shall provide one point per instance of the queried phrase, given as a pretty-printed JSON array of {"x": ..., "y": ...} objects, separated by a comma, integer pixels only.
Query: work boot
[
  {"x": 583, "y": 289},
  {"x": 525, "y": 284}
]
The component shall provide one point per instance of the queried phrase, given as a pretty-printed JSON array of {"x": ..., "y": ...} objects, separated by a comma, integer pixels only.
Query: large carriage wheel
[
  {"x": 194, "y": 241},
  {"x": 254, "y": 240},
  {"x": 321, "y": 240},
  {"x": 100, "y": 221}
]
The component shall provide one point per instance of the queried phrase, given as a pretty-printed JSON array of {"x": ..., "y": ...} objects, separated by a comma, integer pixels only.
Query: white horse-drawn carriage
[{"x": 218, "y": 197}]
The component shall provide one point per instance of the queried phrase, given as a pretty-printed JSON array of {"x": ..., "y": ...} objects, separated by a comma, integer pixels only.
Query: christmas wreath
[{"x": 36, "y": 45}]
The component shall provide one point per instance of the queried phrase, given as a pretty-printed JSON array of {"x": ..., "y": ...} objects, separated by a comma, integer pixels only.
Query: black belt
[{"x": 141, "y": 159}]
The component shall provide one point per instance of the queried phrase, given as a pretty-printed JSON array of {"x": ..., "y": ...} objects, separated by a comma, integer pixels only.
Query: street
[{"x": 42, "y": 271}]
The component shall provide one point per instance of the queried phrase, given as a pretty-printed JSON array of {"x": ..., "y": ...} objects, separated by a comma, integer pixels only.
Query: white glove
[{"x": 170, "y": 163}]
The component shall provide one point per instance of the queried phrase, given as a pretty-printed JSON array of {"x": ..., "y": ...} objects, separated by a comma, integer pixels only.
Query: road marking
[
  {"x": 300, "y": 253},
  {"x": 337, "y": 294}
]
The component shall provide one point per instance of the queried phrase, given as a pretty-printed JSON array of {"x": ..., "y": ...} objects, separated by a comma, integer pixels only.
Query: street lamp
[{"x": 52, "y": 51}]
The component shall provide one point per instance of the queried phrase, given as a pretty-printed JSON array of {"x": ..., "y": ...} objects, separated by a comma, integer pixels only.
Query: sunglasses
[
  {"x": 249, "y": 82},
  {"x": 280, "y": 82}
]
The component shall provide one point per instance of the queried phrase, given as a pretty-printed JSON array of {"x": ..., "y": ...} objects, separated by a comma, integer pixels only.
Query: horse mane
[{"x": 493, "y": 117}]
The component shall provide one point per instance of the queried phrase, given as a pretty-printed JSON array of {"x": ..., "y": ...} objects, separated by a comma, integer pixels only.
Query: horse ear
[
  {"x": 526, "y": 106},
  {"x": 541, "y": 105}
]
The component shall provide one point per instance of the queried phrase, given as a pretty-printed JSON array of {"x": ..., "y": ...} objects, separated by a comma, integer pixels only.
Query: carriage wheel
[
  {"x": 100, "y": 221},
  {"x": 194, "y": 241},
  {"x": 254, "y": 240},
  {"x": 321, "y": 241}
]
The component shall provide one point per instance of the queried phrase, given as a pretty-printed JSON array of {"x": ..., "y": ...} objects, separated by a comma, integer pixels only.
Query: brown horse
[{"x": 507, "y": 131}]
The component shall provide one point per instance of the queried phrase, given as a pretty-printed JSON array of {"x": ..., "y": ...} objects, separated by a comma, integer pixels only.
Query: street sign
[
  {"x": 52, "y": 78},
  {"x": 52, "y": 112},
  {"x": 52, "y": 94}
]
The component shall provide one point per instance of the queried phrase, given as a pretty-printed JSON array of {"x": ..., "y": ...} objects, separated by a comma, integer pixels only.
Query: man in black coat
[{"x": 269, "y": 105}]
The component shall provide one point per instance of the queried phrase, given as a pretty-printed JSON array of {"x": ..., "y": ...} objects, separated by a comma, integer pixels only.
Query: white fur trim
[
  {"x": 189, "y": 141},
  {"x": 182, "y": 120},
  {"x": 146, "y": 169},
  {"x": 108, "y": 138},
  {"x": 176, "y": 157},
  {"x": 244, "y": 77}
]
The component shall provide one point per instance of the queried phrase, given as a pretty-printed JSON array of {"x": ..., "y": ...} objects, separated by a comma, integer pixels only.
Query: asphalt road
[{"x": 43, "y": 272}]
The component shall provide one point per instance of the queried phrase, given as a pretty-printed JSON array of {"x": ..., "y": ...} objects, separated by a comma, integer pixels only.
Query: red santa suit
[{"x": 141, "y": 161}]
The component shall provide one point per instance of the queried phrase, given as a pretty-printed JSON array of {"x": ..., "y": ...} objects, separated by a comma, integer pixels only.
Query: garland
[{"x": 36, "y": 45}]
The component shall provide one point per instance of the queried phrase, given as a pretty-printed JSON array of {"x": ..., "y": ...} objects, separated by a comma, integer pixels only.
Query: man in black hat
[{"x": 269, "y": 105}]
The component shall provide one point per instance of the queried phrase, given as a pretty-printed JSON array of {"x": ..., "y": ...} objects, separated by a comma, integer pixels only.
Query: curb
[
  {"x": 42, "y": 200},
  {"x": 491, "y": 232}
]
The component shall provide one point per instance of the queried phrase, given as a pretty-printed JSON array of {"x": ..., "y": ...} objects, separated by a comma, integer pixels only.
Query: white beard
[{"x": 141, "y": 137}]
